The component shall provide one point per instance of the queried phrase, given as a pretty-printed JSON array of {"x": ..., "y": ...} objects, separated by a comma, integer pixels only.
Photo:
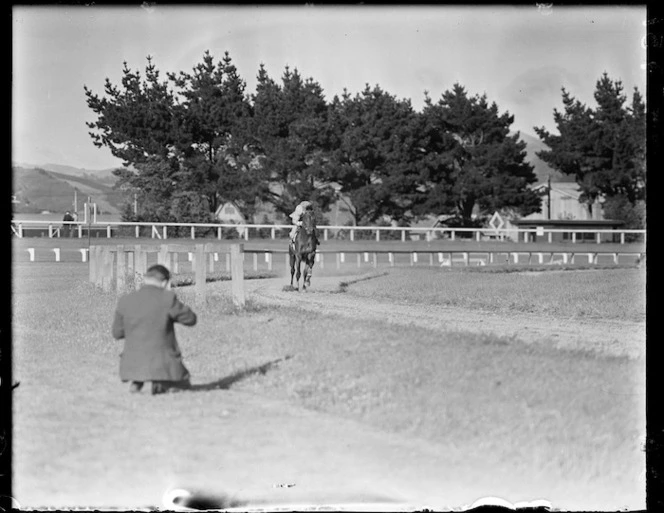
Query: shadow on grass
[
  {"x": 343, "y": 285},
  {"x": 226, "y": 382}
]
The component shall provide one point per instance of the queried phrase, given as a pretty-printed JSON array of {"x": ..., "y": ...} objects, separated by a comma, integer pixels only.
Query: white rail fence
[
  {"x": 123, "y": 229},
  {"x": 338, "y": 258}
]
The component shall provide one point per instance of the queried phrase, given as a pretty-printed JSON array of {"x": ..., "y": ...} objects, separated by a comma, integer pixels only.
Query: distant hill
[
  {"x": 37, "y": 190},
  {"x": 542, "y": 169},
  {"x": 104, "y": 176}
]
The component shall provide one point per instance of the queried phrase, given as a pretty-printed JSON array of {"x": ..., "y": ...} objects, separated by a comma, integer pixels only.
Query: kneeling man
[{"x": 145, "y": 320}]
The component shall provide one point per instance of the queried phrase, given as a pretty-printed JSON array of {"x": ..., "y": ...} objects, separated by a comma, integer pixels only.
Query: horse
[{"x": 303, "y": 249}]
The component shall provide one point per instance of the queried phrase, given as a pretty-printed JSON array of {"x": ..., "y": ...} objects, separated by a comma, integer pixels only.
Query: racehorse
[{"x": 303, "y": 249}]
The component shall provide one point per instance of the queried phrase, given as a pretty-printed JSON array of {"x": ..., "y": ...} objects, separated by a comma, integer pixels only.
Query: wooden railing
[{"x": 109, "y": 266}]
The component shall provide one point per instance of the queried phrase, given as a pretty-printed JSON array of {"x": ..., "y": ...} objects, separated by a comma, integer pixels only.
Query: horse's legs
[
  {"x": 308, "y": 269},
  {"x": 292, "y": 268},
  {"x": 297, "y": 276}
]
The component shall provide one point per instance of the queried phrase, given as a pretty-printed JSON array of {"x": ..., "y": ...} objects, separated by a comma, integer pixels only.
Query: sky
[{"x": 519, "y": 56}]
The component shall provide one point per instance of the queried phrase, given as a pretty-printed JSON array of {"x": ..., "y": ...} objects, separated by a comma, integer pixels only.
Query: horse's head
[{"x": 308, "y": 221}]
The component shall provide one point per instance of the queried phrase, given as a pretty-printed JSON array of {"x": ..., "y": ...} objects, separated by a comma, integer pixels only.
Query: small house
[
  {"x": 229, "y": 213},
  {"x": 562, "y": 202}
]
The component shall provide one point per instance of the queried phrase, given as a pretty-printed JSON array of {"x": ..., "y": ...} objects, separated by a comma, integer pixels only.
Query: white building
[
  {"x": 228, "y": 213},
  {"x": 565, "y": 204}
]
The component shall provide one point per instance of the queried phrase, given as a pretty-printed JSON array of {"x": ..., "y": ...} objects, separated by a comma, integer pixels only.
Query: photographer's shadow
[{"x": 227, "y": 382}]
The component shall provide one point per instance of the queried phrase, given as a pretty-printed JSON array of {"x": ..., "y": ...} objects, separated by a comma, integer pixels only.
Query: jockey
[{"x": 296, "y": 217}]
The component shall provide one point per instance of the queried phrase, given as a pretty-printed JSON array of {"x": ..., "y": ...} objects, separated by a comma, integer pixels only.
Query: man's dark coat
[{"x": 145, "y": 319}]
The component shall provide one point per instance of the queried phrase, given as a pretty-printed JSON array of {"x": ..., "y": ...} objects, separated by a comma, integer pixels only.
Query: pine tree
[
  {"x": 470, "y": 160},
  {"x": 135, "y": 121},
  {"x": 289, "y": 134},
  {"x": 180, "y": 141},
  {"x": 604, "y": 148},
  {"x": 372, "y": 157},
  {"x": 212, "y": 134}
]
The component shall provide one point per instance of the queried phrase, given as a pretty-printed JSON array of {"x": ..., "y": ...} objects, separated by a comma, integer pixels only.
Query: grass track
[{"x": 602, "y": 294}]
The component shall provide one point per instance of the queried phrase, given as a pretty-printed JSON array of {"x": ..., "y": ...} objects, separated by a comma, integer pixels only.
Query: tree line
[{"x": 192, "y": 141}]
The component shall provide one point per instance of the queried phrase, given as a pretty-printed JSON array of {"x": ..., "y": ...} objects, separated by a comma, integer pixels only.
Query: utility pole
[
  {"x": 548, "y": 193},
  {"x": 88, "y": 214},
  {"x": 75, "y": 201}
]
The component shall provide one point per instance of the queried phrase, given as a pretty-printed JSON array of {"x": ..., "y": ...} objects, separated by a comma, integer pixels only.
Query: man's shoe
[
  {"x": 158, "y": 388},
  {"x": 135, "y": 387}
]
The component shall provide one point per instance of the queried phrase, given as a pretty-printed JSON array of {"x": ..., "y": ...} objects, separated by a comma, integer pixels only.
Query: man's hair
[{"x": 159, "y": 272}]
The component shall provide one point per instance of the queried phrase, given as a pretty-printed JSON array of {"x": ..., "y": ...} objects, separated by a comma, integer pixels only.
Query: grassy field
[
  {"x": 527, "y": 410},
  {"x": 603, "y": 294}
]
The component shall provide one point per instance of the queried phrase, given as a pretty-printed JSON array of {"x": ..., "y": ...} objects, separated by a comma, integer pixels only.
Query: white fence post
[
  {"x": 200, "y": 273},
  {"x": 237, "y": 274}
]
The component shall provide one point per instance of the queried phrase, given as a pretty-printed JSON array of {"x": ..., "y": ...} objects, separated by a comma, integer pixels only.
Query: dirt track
[{"x": 616, "y": 338}]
